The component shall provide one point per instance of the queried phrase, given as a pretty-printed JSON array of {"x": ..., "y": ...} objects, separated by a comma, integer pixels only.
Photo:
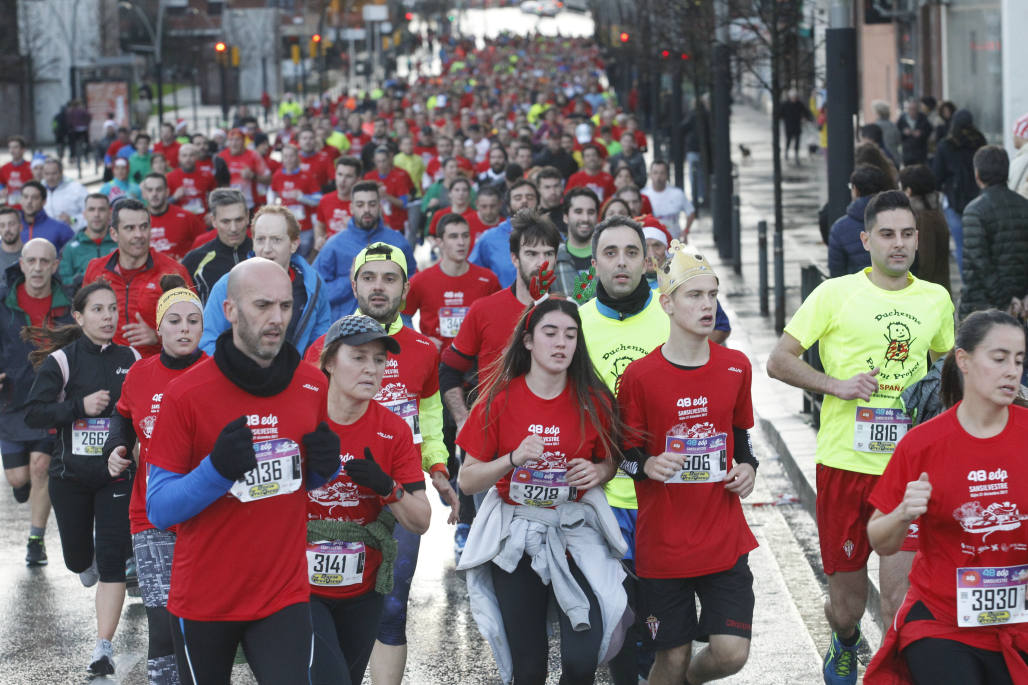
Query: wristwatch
[{"x": 395, "y": 495}]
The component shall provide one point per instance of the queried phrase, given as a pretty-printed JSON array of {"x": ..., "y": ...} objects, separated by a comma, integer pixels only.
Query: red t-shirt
[
  {"x": 487, "y": 328},
  {"x": 974, "y": 517},
  {"x": 319, "y": 166},
  {"x": 235, "y": 560},
  {"x": 262, "y": 188},
  {"x": 289, "y": 188},
  {"x": 397, "y": 183},
  {"x": 409, "y": 376},
  {"x": 513, "y": 415},
  {"x": 447, "y": 298},
  {"x": 343, "y": 500},
  {"x": 602, "y": 183},
  {"x": 475, "y": 225},
  {"x": 13, "y": 177},
  {"x": 173, "y": 232},
  {"x": 140, "y": 403},
  {"x": 333, "y": 213},
  {"x": 170, "y": 152},
  {"x": 35, "y": 307},
  {"x": 205, "y": 164},
  {"x": 247, "y": 159},
  {"x": 658, "y": 401},
  {"x": 195, "y": 186}
]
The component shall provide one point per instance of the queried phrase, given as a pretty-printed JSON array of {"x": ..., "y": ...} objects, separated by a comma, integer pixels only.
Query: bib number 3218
[{"x": 277, "y": 472}]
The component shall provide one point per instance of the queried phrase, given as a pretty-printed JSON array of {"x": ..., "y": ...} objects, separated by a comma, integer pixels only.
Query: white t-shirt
[{"x": 668, "y": 205}]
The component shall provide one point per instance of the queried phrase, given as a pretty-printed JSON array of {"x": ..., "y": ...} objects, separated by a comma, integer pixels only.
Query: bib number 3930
[
  {"x": 706, "y": 459},
  {"x": 88, "y": 436},
  {"x": 335, "y": 564},
  {"x": 878, "y": 429},
  {"x": 990, "y": 596},
  {"x": 540, "y": 488},
  {"x": 277, "y": 472}
]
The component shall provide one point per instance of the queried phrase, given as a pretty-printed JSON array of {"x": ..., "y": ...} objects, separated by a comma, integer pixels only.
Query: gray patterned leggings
[{"x": 154, "y": 550}]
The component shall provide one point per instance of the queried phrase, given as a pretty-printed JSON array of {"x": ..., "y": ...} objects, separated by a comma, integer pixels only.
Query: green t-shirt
[
  {"x": 613, "y": 345},
  {"x": 859, "y": 327}
]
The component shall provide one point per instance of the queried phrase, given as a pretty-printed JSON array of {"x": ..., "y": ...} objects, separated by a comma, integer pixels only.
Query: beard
[{"x": 254, "y": 344}]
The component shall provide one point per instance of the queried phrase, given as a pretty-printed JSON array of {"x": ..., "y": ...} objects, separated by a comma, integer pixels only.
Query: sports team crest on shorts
[
  {"x": 847, "y": 548},
  {"x": 653, "y": 623}
]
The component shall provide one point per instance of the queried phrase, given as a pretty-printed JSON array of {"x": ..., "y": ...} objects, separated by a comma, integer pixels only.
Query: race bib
[
  {"x": 992, "y": 596},
  {"x": 706, "y": 459},
  {"x": 450, "y": 319},
  {"x": 277, "y": 472},
  {"x": 335, "y": 564},
  {"x": 88, "y": 436},
  {"x": 540, "y": 488},
  {"x": 878, "y": 430},
  {"x": 408, "y": 411}
]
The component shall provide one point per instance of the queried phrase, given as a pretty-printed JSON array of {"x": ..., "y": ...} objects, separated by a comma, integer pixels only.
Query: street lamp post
[{"x": 156, "y": 37}]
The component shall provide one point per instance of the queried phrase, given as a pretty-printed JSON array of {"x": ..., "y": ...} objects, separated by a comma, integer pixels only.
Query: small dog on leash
[
  {"x": 813, "y": 149},
  {"x": 747, "y": 154}
]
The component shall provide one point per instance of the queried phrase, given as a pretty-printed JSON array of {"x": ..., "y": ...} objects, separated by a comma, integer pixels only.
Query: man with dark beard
[{"x": 365, "y": 227}]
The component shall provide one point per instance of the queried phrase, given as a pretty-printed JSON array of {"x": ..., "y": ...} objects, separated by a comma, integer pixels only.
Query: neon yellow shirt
[
  {"x": 413, "y": 165},
  {"x": 858, "y": 326},
  {"x": 613, "y": 345}
]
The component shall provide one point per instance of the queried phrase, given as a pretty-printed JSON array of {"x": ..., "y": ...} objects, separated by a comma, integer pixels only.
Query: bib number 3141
[
  {"x": 990, "y": 596},
  {"x": 335, "y": 564},
  {"x": 277, "y": 472}
]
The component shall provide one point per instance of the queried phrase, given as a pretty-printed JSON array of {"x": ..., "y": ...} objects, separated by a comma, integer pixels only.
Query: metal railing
[{"x": 812, "y": 276}]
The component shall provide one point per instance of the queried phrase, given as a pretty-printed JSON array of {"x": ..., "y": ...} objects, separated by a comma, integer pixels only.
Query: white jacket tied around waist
[{"x": 587, "y": 530}]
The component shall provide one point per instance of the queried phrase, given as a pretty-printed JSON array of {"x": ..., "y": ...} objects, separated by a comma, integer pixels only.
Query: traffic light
[
  {"x": 315, "y": 46},
  {"x": 409, "y": 16},
  {"x": 294, "y": 53},
  {"x": 664, "y": 54},
  {"x": 235, "y": 56},
  {"x": 685, "y": 56},
  {"x": 220, "y": 48},
  {"x": 624, "y": 36}
]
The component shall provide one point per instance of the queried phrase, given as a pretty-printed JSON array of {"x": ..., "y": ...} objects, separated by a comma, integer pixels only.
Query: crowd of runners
[{"x": 232, "y": 381}]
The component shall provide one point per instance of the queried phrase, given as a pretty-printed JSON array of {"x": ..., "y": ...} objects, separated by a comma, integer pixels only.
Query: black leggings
[
  {"x": 792, "y": 140},
  {"x": 524, "y": 599},
  {"x": 277, "y": 647},
  {"x": 935, "y": 661},
  {"x": 79, "y": 509},
  {"x": 344, "y": 633}
]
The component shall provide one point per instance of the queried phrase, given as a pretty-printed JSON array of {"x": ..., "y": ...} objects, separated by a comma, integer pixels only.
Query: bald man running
[{"x": 238, "y": 438}]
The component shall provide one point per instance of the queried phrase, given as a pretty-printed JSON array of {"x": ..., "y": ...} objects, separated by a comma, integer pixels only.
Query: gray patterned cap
[{"x": 357, "y": 329}]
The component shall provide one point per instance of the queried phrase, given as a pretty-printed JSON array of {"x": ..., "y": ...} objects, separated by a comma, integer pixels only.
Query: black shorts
[
  {"x": 16, "y": 452},
  {"x": 668, "y": 606}
]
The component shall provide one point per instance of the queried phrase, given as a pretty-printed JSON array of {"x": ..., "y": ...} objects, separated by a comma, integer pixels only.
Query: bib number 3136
[
  {"x": 277, "y": 472},
  {"x": 990, "y": 596}
]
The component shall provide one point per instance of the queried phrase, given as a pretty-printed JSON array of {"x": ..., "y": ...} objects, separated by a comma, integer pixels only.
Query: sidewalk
[{"x": 778, "y": 407}]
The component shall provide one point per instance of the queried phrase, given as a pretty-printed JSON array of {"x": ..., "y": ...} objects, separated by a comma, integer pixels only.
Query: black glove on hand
[
  {"x": 365, "y": 472},
  {"x": 322, "y": 448},
  {"x": 233, "y": 453}
]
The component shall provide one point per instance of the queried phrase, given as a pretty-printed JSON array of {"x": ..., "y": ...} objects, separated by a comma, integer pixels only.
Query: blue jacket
[
  {"x": 336, "y": 258},
  {"x": 846, "y": 254},
  {"x": 315, "y": 318},
  {"x": 45, "y": 226},
  {"x": 492, "y": 251}
]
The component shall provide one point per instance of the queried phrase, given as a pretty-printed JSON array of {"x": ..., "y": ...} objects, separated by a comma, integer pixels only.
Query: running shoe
[
  {"x": 90, "y": 576},
  {"x": 131, "y": 578},
  {"x": 36, "y": 554},
  {"x": 460, "y": 537},
  {"x": 840, "y": 665},
  {"x": 103, "y": 658},
  {"x": 21, "y": 495}
]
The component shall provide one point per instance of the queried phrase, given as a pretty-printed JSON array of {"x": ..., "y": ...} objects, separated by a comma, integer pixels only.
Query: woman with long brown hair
[
  {"x": 542, "y": 438},
  {"x": 78, "y": 383}
]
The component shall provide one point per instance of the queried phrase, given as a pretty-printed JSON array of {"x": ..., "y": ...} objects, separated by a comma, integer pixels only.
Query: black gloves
[
  {"x": 367, "y": 473},
  {"x": 322, "y": 451},
  {"x": 233, "y": 453}
]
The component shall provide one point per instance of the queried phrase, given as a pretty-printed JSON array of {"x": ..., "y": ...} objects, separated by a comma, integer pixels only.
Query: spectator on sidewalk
[
  {"x": 953, "y": 167},
  {"x": 890, "y": 134},
  {"x": 995, "y": 238},
  {"x": 792, "y": 112},
  {"x": 1018, "y": 177},
  {"x": 871, "y": 134},
  {"x": 932, "y": 261},
  {"x": 846, "y": 253},
  {"x": 875, "y": 155},
  {"x": 914, "y": 132}
]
